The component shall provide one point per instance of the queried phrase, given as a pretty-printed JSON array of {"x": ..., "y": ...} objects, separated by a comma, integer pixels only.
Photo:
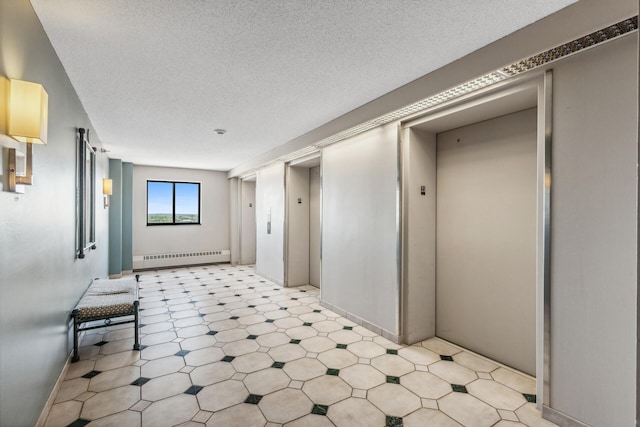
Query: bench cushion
[{"x": 107, "y": 298}]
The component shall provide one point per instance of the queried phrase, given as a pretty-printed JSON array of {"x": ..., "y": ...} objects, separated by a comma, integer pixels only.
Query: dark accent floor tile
[
  {"x": 317, "y": 311},
  {"x": 392, "y": 351},
  {"x": 306, "y": 324},
  {"x": 294, "y": 299},
  {"x": 212, "y": 293},
  {"x": 393, "y": 421},
  {"x": 141, "y": 325},
  {"x": 227, "y": 359},
  {"x": 278, "y": 365},
  {"x": 237, "y": 295},
  {"x": 201, "y": 314},
  {"x": 269, "y": 321},
  {"x": 530, "y": 397},
  {"x": 294, "y": 342},
  {"x": 253, "y": 399},
  {"x": 319, "y": 409},
  {"x": 79, "y": 423},
  {"x": 347, "y": 328},
  {"x": 141, "y": 381},
  {"x": 342, "y": 346},
  {"x": 252, "y": 337},
  {"x": 212, "y": 332},
  {"x": 393, "y": 380},
  {"x": 234, "y": 317},
  {"x": 264, "y": 297},
  {"x": 182, "y": 353},
  {"x": 303, "y": 290},
  {"x": 447, "y": 358},
  {"x": 163, "y": 300},
  {"x": 251, "y": 306},
  {"x": 459, "y": 388},
  {"x": 334, "y": 372},
  {"x": 283, "y": 308},
  {"x": 221, "y": 303},
  {"x": 91, "y": 374},
  {"x": 101, "y": 343},
  {"x": 184, "y": 292},
  {"x": 194, "y": 389}
]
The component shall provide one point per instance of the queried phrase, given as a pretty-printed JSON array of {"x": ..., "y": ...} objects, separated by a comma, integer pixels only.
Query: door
[{"x": 486, "y": 238}]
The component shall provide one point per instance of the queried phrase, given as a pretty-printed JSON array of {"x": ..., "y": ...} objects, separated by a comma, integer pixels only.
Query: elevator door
[{"x": 486, "y": 238}]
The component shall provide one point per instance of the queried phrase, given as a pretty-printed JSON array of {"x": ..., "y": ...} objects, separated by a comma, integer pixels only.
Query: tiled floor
[{"x": 224, "y": 347}]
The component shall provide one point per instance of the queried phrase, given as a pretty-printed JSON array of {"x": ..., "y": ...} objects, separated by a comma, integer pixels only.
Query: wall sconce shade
[
  {"x": 28, "y": 112},
  {"x": 107, "y": 187}
]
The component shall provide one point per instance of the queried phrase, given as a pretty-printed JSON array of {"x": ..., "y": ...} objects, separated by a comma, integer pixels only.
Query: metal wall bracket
[{"x": 14, "y": 179}]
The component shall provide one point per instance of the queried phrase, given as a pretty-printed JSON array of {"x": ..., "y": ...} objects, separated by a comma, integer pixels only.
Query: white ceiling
[{"x": 158, "y": 76}]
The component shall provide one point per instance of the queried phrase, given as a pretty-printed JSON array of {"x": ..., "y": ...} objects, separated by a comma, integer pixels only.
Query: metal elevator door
[{"x": 486, "y": 238}]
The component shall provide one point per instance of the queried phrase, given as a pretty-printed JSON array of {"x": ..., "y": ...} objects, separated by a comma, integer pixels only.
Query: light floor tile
[
  {"x": 330, "y": 366},
  {"x": 285, "y": 405},
  {"x": 394, "y": 400},
  {"x": 242, "y": 415},
  {"x": 222, "y": 395},
  {"x": 354, "y": 412},
  {"x": 429, "y": 417},
  {"x": 468, "y": 410},
  {"x": 170, "y": 412},
  {"x": 326, "y": 390}
]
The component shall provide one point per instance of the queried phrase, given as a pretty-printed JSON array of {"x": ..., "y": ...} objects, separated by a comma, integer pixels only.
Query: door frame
[{"x": 480, "y": 101}]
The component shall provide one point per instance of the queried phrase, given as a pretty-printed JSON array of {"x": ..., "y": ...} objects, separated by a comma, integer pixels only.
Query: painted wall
[
  {"x": 359, "y": 205},
  {"x": 41, "y": 280},
  {"x": 211, "y": 234},
  {"x": 298, "y": 226},
  {"x": 419, "y": 231},
  {"x": 314, "y": 225},
  {"x": 594, "y": 234},
  {"x": 248, "y": 233},
  {"x": 270, "y": 205}
]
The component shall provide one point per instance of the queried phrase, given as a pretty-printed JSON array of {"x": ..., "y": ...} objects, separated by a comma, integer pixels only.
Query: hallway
[{"x": 224, "y": 347}]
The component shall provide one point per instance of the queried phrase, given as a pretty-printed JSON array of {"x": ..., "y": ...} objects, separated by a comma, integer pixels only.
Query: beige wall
[
  {"x": 314, "y": 225},
  {"x": 270, "y": 202},
  {"x": 359, "y": 208},
  {"x": 211, "y": 234},
  {"x": 594, "y": 235}
]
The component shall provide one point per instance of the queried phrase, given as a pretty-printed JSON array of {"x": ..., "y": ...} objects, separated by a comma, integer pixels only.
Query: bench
[{"x": 106, "y": 300}]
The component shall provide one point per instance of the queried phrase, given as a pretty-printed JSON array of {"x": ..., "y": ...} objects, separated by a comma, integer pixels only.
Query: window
[{"x": 172, "y": 203}]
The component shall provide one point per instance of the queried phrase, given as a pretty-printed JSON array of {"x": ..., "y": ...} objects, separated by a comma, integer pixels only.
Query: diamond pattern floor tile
[{"x": 224, "y": 346}]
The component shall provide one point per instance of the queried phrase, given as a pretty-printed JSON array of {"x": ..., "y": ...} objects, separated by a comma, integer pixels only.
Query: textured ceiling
[{"x": 158, "y": 76}]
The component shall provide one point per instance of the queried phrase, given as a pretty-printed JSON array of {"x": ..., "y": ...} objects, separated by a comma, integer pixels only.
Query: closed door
[{"x": 486, "y": 238}]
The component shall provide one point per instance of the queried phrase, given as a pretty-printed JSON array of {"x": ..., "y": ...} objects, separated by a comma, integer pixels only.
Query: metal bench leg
[
  {"x": 76, "y": 356},
  {"x": 136, "y": 344}
]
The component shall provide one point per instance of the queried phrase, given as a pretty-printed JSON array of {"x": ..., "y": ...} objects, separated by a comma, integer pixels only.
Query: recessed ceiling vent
[
  {"x": 574, "y": 46},
  {"x": 527, "y": 64}
]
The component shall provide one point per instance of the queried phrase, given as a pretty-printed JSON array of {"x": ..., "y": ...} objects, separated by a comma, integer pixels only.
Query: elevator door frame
[{"x": 452, "y": 115}]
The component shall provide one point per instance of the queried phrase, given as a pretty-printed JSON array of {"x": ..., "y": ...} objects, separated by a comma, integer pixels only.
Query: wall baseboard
[
  {"x": 42, "y": 419},
  {"x": 271, "y": 279},
  {"x": 365, "y": 324},
  {"x": 561, "y": 419}
]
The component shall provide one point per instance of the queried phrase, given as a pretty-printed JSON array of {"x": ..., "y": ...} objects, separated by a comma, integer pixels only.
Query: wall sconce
[
  {"x": 27, "y": 122},
  {"x": 107, "y": 190}
]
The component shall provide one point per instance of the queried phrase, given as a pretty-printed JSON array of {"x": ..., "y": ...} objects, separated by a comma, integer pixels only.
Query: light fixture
[
  {"x": 107, "y": 190},
  {"x": 27, "y": 122}
]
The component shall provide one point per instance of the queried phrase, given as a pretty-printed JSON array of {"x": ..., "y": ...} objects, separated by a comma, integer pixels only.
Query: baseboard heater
[{"x": 143, "y": 262}]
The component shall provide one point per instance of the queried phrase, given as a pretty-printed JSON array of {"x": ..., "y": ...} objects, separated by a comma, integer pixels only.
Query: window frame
[{"x": 173, "y": 202}]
